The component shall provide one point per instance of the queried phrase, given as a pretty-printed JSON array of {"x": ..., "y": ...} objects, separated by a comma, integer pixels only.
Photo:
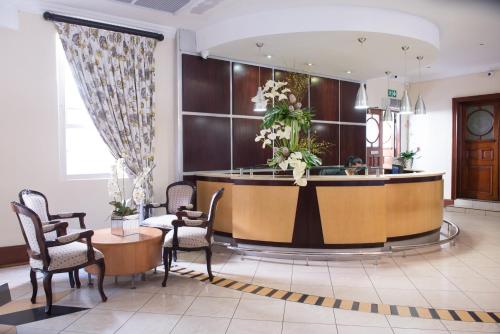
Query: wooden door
[
  {"x": 374, "y": 138},
  {"x": 479, "y": 172}
]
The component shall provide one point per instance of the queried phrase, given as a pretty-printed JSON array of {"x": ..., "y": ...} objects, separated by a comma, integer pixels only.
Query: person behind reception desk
[{"x": 353, "y": 163}]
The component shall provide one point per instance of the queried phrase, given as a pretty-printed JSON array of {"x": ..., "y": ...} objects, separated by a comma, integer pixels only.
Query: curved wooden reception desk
[{"x": 330, "y": 212}]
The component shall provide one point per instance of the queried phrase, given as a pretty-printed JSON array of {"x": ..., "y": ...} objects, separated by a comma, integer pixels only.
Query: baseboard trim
[
  {"x": 13, "y": 255},
  {"x": 448, "y": 202}
]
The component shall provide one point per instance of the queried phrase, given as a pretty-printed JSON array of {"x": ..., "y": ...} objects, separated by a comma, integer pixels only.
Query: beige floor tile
[
  {"x": 402, "y": 297},
  {"x": 352, "y": 280},
  {"x": 260, "y": 309},
  {"x": 302, "y": 328},
  {"x": 210, "y": 290},
  {"x": 362, "y": 330},
  {"x": 149, "y": 323},
  {"x": 32, "y": 330},
  {"x": 56, "y": 323},
  {"x": 416, "y": 323},
  {"x": 201, "y": 325},
  {"x": 126, "y": 300},
  {"x": 303, "y": 278},
  {"x": 213, "y": 307},
  {"x": 488, "y": 301},
  {"x": 474, "y": 284},
  {"x": 240, "y": 326},
  {"x": 354, "y": 318},
  {"x": 315, "y": 290},
  {"x": 168, "y": 304},
  {"x": 418, "y": 331},
  {"x": 391, "y": 282},
  {"x": 433, "y": 283},
  {"x": 297, "y": 312},
  {"x": 100, "y": 321},
  {"x": 177, "y": 285},
  {"x": 449, "y": 299},
  {"x": 471, "y": 327},
  {"x": 358, "y": 294}
]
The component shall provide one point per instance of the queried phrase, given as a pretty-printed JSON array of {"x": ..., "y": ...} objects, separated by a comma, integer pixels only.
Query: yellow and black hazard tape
[{"x": 400, "y": 310}]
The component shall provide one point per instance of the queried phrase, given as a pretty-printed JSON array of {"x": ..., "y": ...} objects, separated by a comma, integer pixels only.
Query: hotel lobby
[{"x": 232, "y": 166}]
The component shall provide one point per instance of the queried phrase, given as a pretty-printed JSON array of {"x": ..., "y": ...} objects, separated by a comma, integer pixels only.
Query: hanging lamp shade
[
  {"x": 361, "y": 98},
  {"x": 260, "y": 103},
  {"x": 406, "y": 107},
  {"x": 387, "y": 117},
  {"x": 420, "y": 106}
]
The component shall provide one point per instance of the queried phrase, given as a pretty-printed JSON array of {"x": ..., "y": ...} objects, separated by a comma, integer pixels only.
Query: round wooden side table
[{"x": 129, "y": 255}]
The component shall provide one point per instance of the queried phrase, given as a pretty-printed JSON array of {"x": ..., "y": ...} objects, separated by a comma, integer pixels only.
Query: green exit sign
[{"x": 392, "y": 93}]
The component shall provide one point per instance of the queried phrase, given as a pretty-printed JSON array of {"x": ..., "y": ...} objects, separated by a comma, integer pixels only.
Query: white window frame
[{"x": 61, "y": 106}]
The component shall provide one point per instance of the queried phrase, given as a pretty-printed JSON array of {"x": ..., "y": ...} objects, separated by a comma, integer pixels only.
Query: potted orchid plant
[
  {"x": 125, "y": 208},
  {"x": 284, "y": 122}
]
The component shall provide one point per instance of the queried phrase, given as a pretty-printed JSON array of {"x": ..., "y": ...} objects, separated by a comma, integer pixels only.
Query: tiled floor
[{"x": 466, "y": 276}]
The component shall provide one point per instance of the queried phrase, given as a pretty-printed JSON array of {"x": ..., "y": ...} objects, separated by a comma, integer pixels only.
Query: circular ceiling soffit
[{"x": 318, "y": 19}]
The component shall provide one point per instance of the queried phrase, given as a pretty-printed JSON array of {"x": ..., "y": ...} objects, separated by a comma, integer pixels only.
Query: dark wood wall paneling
[
  {"x": 352, "y": 142},
  {"x": 205, "y": 85},
  {"x": 205, "y": 89},
  {"x": 348, "y": 91},
  {"x": 325, "y": 98},
  {"x": 328, "y": 133},
  {"x": 246, "y": 152},
  {"x": 206, "y": 143},
  {"x": 245, "y": 84}
]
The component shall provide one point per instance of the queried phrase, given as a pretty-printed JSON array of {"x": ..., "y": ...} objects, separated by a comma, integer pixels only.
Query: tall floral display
[{"x": 285, "y": 129}]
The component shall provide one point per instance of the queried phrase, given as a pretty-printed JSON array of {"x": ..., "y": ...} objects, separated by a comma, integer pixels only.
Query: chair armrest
[
  {"x": 55, "y": 225},
  {"x": 155, "y": 205},
  {"x": 69, "y": 238},
  {"x": 186, "y": 207},
  {"x": 79, "y": 215},
  {"x": 190, "y": 222}
]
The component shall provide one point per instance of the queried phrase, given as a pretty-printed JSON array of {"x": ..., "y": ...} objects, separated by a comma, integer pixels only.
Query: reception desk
[{"x": 330, "y": 212}]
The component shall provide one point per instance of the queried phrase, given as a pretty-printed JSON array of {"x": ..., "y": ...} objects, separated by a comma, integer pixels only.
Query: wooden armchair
[
  {"x": 38, "y": 202},
  {"x": 191, "y": 235},
  {"x": 64, "y": 254}
]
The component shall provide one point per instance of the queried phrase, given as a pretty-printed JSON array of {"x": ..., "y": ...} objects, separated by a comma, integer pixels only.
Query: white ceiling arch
[{"x": 317, "y": 19}]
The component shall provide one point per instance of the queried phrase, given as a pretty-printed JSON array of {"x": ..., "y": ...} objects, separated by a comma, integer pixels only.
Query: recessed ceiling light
[
  {"x": 428, "y": 66},
  {"x": 348, "y": 72},
  {"x": 482, "y": 44},
  {"x": 309, "y": 64},
  {"x": 269, "y": 56}
]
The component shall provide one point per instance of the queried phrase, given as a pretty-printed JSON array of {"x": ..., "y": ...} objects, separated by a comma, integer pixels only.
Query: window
[{"x": 83, "y": 152}]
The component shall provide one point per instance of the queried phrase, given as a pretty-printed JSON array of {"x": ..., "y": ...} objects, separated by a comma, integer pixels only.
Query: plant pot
[
  {"x": 124, "y": 226},
  {"x": 408, "y": 163}
]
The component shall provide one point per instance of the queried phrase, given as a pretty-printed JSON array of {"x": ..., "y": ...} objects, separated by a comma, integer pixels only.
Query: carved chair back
[
  {"x": 31, "y": 227},
  {"x": 179, "y": 194},
  {"x": 214, "y": 202},
  {"x": 37, "y": 202}
]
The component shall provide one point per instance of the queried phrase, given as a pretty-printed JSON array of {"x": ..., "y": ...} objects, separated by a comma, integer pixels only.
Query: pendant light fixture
[
  {"x": 406, "y": 107},
  {"x": 260, "y": 102},
  {"x": 420, "y": 105},
  {"x": 388, "y": 112},
  {"x": 361, "y": 97}
]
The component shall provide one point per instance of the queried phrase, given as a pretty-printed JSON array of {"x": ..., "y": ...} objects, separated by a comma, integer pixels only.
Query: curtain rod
[{"x": 100, "y": 25}]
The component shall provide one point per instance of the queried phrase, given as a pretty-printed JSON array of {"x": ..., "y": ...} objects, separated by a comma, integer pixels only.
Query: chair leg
[
  {"x": 34, "y": 284},
  {"x": 76, "y": 274},
  {"x": 175, "y": 256},
  {"x": 165, "y": 263},
  {"x": 208, "y": 252},
  {"x": 89, "y": 275},
  {"x": 100, "y": 278},
  {"x": 47, "y": 286},
  {"x": 71, "y": 280}
]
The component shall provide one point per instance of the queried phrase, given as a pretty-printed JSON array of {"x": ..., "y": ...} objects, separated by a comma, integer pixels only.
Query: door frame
[{"x": 457, "y": 136}]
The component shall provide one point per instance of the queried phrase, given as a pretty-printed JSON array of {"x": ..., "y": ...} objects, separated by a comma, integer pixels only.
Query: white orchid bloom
[
  {"x": 280, "y": 134},
  {"x": 285, "y": 90},
  {"x": 138, "y": 195},
  {"x": 283, "y": 165},
  {"x": 271, "y": 136},
  {"x": 266, "y": 142},
  {"x": 287, "y": 132},
  {"x": 259, "y": 138},
  {"x": 282, "y": 97},
  {"x": 276, "y": 126},
  {"x": 302, "y": 182},
  {"x": 263, "y": 132},
  {"x": 296, "y": 155}
]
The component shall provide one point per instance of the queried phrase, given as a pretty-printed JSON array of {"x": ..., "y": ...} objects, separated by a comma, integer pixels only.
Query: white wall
[
  {"x": 29, "y": 128},
  {"x": 433, "y": 132}
]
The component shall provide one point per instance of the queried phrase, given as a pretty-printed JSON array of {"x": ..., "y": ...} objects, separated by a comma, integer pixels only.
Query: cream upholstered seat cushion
[
  {"x": 163, "y": 222},
  {"x": 66, "y": 256},
  {"x": 189, "y": 237}
]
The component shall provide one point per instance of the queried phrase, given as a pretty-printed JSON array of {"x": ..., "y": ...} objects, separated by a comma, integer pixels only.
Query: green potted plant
[{"x": 407, "y": 158}]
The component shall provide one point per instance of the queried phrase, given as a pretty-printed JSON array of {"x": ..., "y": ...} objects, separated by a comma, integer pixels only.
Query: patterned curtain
[{"x": 115, "y": 76}]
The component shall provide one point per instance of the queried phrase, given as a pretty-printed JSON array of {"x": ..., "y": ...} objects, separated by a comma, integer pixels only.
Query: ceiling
[{"x": 468, "y": 33}]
